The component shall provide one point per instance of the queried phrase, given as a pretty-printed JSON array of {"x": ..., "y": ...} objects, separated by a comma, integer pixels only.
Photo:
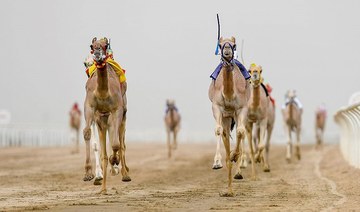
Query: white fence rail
[
  {"x": 348, "y": 118},
  {"x": 25, "y": 136}
]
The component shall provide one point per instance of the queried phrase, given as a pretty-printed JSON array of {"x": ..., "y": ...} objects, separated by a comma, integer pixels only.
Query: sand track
[{"x": 51, "y": 178}]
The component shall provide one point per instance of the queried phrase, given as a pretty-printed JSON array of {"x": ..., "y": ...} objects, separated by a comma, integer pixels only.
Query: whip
[{"x": 218, "y": 37}]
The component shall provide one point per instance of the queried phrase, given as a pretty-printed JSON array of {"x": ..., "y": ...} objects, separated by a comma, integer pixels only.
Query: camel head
[
  {"x": 291, "y": 94},
  {"x": 227, "y": 46},
  {"x": 170, "y": 103},
  {"x": 98, "y": 49},
  {"x": 255, "y": 73}
]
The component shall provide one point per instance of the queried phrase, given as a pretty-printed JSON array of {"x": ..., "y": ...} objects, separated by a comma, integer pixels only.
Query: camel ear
[
  {"x": 106, "y": 40},
  {"x": 233, "y": 39},
  {"x": 221, "y": 39},
  {"x": 260, "y": 69},
  {"x": 94, "y": 39}
]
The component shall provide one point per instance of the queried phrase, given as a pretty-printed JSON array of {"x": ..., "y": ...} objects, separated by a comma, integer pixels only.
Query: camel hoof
[
  {"x": 98, "y": 180},
  {"x": 226, "y": 194},
  {"x": 298, "y": 157},
  {"x": 126, "y": 179},
  {"x": 267, "y": 169},
  {"x": 255, "y": 178},
  {"x": 103, "y": 192},
  {"x": 257, "y": 158},
  {"x": 217, "y": 166},
  {"x": 114, "y": 170},
  {"x": 88, "y": 177},
  {"x": 288, "y": 160},
  {"x": 238, "y": 176},
  {"x": 243, "y": 163},
  {"x": 234, "y": 156}
]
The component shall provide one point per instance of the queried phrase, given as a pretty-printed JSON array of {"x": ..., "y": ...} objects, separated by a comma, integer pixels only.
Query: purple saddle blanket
[{"x": 243, "y": 70}]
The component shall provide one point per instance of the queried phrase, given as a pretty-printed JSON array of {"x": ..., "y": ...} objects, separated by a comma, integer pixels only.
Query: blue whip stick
[{"x": 218, "y": 37}]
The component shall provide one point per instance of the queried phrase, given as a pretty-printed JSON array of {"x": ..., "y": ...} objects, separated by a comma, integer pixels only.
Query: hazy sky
[{"x": 167, "y": 48}]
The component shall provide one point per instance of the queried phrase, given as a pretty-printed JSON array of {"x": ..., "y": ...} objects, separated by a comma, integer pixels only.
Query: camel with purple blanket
[{"x": 229, "y": 93}]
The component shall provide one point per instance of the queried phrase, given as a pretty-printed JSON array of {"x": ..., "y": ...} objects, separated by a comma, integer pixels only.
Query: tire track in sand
[{"x": 332, "y": 184}]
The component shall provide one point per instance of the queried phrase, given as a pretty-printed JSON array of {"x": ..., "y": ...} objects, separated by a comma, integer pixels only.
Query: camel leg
[
  {"x": 256, "y": 137},
  {"x": 95, "y": 144},
  {"x": 297, "y": 147},
  {"x": 249, "y": 129},
  {"x": 218, "y": 133},
  {"x": 77, "y": 150},
  {"x": 267, "y": 148},
  {"x": 89, "y": 115},
  {"x": 318, "y": 133},
  {"x": 259, "y": 155},
  {"x": 217, "y": 159},
  {"x": 243, "y": 158},
  {"x": 226, "y": 140},
  {"x": 235, "y": 154},
  {"x": 124, "y": 167},
  {"x": 168, "y": 133},
  {"x": 73, "y": 139},
  {"x": 289, "y": 144},
  {"x": 175, "y": 139},
  {"x": 104, "y": 158},
  {"x": 114, "y": 122},
  {"x": 240, "y": 140},
  {"x": 321, "y": 137}
]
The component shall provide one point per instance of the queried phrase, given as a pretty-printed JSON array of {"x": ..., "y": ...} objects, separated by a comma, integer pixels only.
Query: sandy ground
[{"x": 51, "y": 178}]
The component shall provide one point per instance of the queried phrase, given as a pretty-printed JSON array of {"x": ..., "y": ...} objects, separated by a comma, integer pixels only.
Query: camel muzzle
[{"x": 99, "y": 56}]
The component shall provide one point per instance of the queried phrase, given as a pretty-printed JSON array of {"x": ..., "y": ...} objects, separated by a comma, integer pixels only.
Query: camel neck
[
  {"x": 102, "y": 82},
  {"x": 171, "y": 111},
  {"x": 291, "y": 111},
  {"x": 228, "y": 82},
  {"x": 256, "y": 96}
]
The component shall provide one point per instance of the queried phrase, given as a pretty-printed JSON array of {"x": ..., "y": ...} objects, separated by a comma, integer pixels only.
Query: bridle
[
  {"x": 258, "y": 81},
  {"x": 103, "y": 56},
  {"x": 223, "y": 58}
]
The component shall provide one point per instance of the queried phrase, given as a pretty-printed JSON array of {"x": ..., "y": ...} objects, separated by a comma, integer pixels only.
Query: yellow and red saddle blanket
[{"x": 119, "y": 71}]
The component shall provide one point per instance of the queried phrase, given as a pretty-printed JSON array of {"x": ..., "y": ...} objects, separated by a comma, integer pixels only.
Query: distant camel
[
  {"x": 105, "y": 105},
  {"x": 75, "y": 123},
  {"x": 258, "y": 107},
  {"x": 320, "y": 120},
  {"x": 269, "y": 129},
  {"x": 229, "y": 94},
  {"x": 172, "y": 124},
  {"x": 292, "y": 112}
]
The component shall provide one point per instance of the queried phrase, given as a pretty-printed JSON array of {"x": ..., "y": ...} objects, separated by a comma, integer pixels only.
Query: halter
[
  {"x": 260, "y": 80},
  {"x": 103, "y": 63},
  {"x": 233, "y": 48}
]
